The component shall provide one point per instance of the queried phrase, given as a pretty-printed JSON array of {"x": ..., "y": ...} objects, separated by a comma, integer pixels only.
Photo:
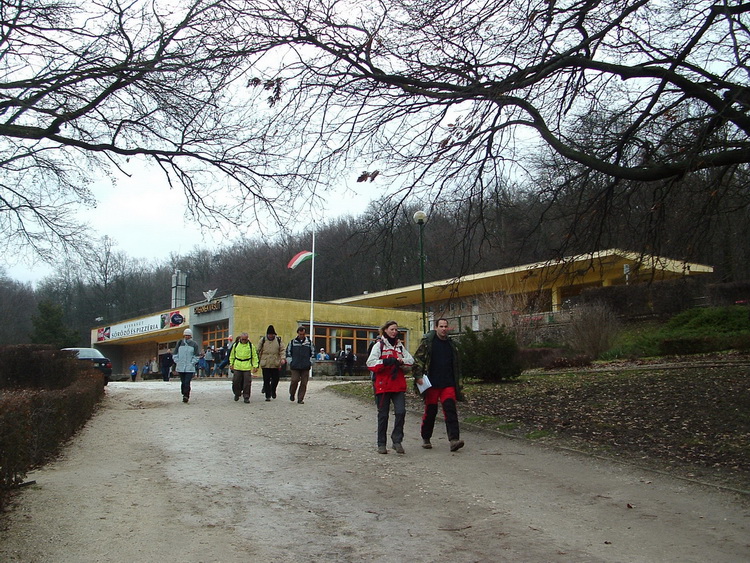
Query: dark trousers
[
  {"x": 270, "y": 381},
  {"x": 185, "y": 378},
  {"x": 447, "y": 397},
  {"x": 165, "y": 372},
  {"x": 299, "y": 378},
  {"x": 241, "y": 382},
  {"x": 383, "y": 401}
]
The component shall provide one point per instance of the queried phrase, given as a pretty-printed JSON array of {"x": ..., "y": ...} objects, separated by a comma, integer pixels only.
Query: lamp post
[{"x": 419, "y": 218}]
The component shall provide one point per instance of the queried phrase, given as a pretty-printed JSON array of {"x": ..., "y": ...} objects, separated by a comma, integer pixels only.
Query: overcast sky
[{"x": 146, "y": 219}]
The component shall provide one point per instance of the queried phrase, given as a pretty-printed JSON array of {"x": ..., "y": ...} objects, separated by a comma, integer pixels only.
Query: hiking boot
[
  {"x": 426, "y": 444},
  {"x": 382, "y": 450},
  {"x": 399, "y": 448},
  {"x": 185, "y": 398},
  {"x": 268, "y": 399},
  {"x": 247, "y": 400},
  {"x": 456, "y": 445},
  {"x": 236, "y": 397},
  {"x": 291, "y": 398},
  {"x": 300, "y": 402}
]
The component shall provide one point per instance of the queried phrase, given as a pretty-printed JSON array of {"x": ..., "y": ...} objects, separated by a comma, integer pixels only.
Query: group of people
[
  {"x": 244, "y": 359},
  {"x": 149, "y": 367},
  {"x": 435, "y": 369},
  {"x": 437, "y": 377}
]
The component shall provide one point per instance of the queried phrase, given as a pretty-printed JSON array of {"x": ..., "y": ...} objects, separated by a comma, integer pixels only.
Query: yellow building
[
  {"x": 542, "y": 287},
  {"x": 214, "y": 322}
]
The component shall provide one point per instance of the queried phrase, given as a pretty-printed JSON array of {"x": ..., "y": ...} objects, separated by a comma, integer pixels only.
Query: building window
[
  {"x": 215, "y": 334},
  {"x": 335, "y": 338}
]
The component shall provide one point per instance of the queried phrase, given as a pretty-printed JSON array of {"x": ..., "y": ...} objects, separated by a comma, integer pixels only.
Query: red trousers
[{"x": 447, "y": 397}]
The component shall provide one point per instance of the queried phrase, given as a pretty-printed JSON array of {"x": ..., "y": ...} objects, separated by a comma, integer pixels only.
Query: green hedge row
[
  {"x": 702, "y": 345},
  {"x": 37, "y": 413}
]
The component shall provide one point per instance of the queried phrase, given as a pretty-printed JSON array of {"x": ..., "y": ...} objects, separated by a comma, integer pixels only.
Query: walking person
[
  {"x": 133, "y": 371},
  {"x": 437, "y": 358},
  {"x": 153, "y": 366},
  {"x": 166, "y": 365},
  {"x": 299, "y": 354},
  {"x": 224, "y": 354},
  {"x": 209, "y": 357},
  {"x": 387, "y": 360},
  {"x": 349, "y": 359},
  {"x": 243, "y": 361},
  {"x": 271, "y": 356},
  {"x": 185, "y": 357}
]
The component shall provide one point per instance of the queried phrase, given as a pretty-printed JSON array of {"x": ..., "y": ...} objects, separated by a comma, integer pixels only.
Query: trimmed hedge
[
  {"x": 29, "y": 366},
  {"x": 37, "y": 412}
]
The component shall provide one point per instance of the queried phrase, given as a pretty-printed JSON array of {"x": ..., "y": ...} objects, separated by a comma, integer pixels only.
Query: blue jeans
[{"x": 185, "y": 378}]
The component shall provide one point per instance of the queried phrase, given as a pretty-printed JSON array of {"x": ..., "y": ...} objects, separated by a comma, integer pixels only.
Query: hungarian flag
[{"x": 299, "y": 258}]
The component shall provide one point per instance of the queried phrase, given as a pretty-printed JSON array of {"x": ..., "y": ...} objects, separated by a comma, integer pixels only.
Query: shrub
[
  {"x": 530, "y": 358},
  {"x": 686, "y": 346},
  {"x": 578, "y": 361},
  {"x": 709, "y": 321},
  {"x": 592, "y": 330},
  {"x": 489, "y": 355},
  {"x": 29, "y": 366},
  {"x": 36, "y": 420}
]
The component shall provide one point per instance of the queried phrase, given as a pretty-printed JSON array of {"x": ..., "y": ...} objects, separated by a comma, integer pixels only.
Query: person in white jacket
[{"x": 185, "y": 356}]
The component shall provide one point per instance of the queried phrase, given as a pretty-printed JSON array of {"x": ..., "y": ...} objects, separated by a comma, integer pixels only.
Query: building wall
[{"x": 241, "y": 313}]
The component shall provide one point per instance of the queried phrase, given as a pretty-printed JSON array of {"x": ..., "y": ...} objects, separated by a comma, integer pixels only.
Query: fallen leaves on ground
[{"x": 689, "y": 416}]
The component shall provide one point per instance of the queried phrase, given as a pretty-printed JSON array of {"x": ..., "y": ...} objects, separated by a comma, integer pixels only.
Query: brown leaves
[{"x": 683, "y": 415}]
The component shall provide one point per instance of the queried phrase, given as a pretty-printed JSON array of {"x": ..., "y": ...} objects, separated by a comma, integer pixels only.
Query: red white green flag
[{"x": 299, "y": 258}]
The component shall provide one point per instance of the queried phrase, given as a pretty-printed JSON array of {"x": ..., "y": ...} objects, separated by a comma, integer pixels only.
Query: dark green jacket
[{"x": 422, "y": 362}]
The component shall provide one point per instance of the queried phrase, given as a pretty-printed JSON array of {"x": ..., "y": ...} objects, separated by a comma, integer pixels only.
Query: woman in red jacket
[{"x": 387, "y": 360}]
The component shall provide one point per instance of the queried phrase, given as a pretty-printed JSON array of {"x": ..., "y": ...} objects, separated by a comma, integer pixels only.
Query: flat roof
[{"x": 569, "y": 271}]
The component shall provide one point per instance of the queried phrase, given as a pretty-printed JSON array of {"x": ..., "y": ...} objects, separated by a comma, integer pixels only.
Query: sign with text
[
  {"x": 207, "y": 308},
  {"x": 140, "y": 326}
]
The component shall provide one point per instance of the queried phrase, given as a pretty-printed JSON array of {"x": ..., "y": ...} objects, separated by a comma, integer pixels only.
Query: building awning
[{"x": 606, "y": 267}]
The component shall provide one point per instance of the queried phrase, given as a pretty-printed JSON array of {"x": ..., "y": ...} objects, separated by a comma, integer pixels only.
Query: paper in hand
[{"x": 425, "y": 385}]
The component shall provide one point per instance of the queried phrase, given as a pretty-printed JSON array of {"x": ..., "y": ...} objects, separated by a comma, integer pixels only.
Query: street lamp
[{"x": 419, "y": 218}]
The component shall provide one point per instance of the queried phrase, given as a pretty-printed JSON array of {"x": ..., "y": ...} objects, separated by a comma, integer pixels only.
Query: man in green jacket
[
  {"x": 437, "y": 358},
  {"x": 243, "y": 361}
]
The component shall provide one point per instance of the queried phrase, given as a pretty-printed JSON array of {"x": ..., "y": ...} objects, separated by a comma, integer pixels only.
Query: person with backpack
[
  {"x": 243, "y": 361},
  {"x": 388, "y": 361},
  {"x": 271, "y": 356},
  {"x": 299, "y": 354},
  {"x": 185, "y": 356}
]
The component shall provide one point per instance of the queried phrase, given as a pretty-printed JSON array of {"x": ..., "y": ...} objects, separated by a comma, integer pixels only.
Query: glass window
[
  {"x": 215, "y": 335},
  {"x": 336, "y": 338}
]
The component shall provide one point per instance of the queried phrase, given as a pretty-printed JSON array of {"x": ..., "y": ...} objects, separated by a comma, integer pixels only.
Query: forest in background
[{"x": 380, "y": 250}]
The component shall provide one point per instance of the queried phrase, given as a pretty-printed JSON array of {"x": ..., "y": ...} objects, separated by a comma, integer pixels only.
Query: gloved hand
[{"x": 390, "y": 362}]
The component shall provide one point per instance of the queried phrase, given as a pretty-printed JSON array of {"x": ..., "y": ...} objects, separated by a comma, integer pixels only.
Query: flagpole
[{"x": 312, "y": 291}]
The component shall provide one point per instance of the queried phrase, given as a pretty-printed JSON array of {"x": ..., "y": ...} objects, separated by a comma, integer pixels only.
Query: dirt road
[{"x": 151, "y": 479}]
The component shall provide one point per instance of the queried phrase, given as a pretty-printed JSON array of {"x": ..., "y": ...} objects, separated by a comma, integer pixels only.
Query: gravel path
[{"x": 151, "y": 479}]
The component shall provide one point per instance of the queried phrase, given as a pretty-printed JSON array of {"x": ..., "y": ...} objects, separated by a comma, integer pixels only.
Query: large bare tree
[
  {"x": 87, "y": 86},
  {"x": 272, "y": 102},
  {"x": 437, "y": 99}
]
